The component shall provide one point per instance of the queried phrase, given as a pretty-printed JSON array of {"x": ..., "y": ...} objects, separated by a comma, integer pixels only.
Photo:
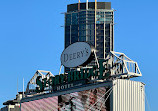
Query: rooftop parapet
[{"x": 91, "y": 5}]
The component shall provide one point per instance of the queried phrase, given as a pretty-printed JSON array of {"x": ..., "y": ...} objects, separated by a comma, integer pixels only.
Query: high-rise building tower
[{"x": 91, "y": 22}]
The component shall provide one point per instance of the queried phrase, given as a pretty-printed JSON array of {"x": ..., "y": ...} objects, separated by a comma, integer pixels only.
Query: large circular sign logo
[{"x": 76, "y": 54}]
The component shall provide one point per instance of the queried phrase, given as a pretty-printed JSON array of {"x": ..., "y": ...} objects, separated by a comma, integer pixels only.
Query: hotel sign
[
  {"x": 76, "y": 54},
  {"x": 73, "y": 78}
]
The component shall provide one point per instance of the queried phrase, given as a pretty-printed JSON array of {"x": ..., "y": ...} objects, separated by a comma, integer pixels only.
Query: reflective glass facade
[{"x": 91, "y": 24}]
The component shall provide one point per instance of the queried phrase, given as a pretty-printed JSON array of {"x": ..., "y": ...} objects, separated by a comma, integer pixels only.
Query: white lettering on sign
[{"x": 64, "y": 86}]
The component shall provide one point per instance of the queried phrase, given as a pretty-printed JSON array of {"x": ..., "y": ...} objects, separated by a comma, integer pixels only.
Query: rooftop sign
[
  {"x": 73, "y": 78},
  {"x": 76, "y": 54}
]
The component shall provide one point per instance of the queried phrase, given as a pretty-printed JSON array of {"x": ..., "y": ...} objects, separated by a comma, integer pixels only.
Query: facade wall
[
  {"x": 11, "y": 108},
  {"x": 4, "y": 108},
  {"x": 125, "y": 95},
  {"x": 45, "y": 104},
  {"x": 88, "y": 100},
  {"x": 128, "y": 96}
]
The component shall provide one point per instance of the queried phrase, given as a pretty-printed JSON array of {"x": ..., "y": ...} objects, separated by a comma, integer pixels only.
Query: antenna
[
  {"x": 17, "y": 85},
  {"x": 23, "y": 86}
]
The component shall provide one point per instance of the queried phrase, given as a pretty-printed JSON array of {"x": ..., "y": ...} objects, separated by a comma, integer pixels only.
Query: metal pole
[
  {"x": 23, "y": 86},
  {"x": 60, "y": 69},
  {"x": 96, "y": 58},
  {"x": 17, "y": 85},
  {"x": 95, "y": 23},
  {"x": 78, "y": 4},
  {"x": 87, "y": 5}
]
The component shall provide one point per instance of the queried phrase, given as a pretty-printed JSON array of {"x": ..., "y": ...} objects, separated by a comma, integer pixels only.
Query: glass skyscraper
[{"x": 91, "y": 22}]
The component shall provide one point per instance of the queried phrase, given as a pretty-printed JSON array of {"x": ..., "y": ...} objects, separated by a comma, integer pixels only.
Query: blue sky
[{"x": 31, "y": 38}]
